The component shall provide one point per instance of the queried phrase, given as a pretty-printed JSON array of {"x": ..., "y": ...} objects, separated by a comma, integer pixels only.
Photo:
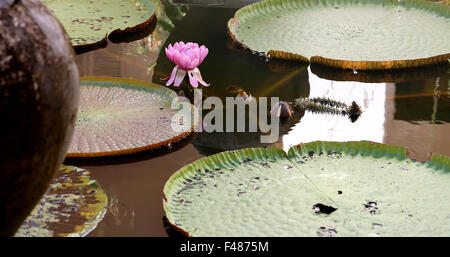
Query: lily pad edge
[
  {"x": 120, "y": 35},
  {"x": 138, "y": 83},
  {"x": 343, "y": 64},
  {"x": 375, "y": 150},
  {"x": 88, "y": 183}
]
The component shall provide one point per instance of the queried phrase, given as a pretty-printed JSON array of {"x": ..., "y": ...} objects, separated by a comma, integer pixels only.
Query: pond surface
[{"x": 412, "y": 109}]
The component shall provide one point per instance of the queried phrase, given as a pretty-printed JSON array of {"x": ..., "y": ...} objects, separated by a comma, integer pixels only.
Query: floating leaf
[
  {"x": 350, "y": 34},
  {"x": 73, "y": 206},
  {"x": 88, "y": 22},
  {"x": 318, "y": 189},
  {"x": 121, "y": 116}
]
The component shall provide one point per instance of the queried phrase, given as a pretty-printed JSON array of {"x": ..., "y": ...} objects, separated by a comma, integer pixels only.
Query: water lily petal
[
  {"x": 175, "y": 46},
  {"x": 187, "y": 56},
  {"x": 192, "y": 78},
  {"x": 169, "y": 54},
  {"x": 179, "y": 46},
  {"x": 203, "y": 53},
  {"x": 175, "y": 54},
  {"x": 198, "y": 75},
  {"x": 176, "y": 58},
  {"x": 171, "y": 48},
  {"x": 189, "y": 45},
  {"x": 195, "y": 62},
  {"x": 198, "y": 53},
  {"x": 187, "y": 63},
  {"x": 179, "y": 77},
  {"x": 203, "y": 83},
  {"x": 182, "y": 61},
  {"x": 172, "y": 76}
]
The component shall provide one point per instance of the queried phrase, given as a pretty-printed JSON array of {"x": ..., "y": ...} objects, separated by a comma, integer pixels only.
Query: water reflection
[
  {"x": 413, "y": 114},
  {"x": 122, "y": 215},
  {"x": 393, "y": 76},
  {"x": 138, "y": 58},
  {"x": 423, "y": 100},
  {"x": 225, "y": 67},
  {"x": 328, "y": 127},
  {"x": 420, "y": 117},
  {"x": 121, "y": 60},
  {"x": 215, "y": 142},
  {"x": 228, "y": 65}
]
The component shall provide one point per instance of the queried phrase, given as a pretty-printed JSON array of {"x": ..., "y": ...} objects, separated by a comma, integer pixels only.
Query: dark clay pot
[{"x": 39, "y": 91}]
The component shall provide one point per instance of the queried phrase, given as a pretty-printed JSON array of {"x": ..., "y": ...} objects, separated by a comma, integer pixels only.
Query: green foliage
[{"x": 318, "y": 189}]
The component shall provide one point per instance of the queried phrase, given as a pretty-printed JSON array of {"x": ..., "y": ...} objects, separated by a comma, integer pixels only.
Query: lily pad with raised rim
[
  {"x": 122, "y": 116},
  {"x": 349, "y": 34},
  {"x": 73, "y": 206},
  {"x": 317, "y": 189},
  {"x": 89, "y": 22}
]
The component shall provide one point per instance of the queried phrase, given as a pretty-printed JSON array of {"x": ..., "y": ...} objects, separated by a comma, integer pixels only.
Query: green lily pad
[
  {"x": 317, "y": 189},
  {"x": 122, "y": 116},
  {"x": 350, "y": 34},
  {"x": 89, "y": 22},
  {"x": 73, "y": 206}
]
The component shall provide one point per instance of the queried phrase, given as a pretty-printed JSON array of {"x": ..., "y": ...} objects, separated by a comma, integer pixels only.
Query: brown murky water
[{"x": 413, "y": 113}]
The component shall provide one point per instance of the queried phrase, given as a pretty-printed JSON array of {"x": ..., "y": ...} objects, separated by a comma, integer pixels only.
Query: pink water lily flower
[{"x": 187, "y": 58}]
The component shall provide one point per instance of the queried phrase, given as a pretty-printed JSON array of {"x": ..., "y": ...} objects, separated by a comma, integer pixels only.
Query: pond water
[{"x": 412, "y": 109}]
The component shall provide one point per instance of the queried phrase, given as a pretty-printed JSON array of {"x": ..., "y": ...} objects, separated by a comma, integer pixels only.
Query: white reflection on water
[{"x": 371, "y": 97}]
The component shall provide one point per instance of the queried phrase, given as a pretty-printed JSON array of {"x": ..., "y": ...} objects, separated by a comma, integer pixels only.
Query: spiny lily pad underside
[
  {"x": 88, "y": 22},
  {"x": 73, "y": 206},
  {"x": 318, "y": 189},
  {"x": 349, "y": 34},
  {"x": 122, "y": 116}
]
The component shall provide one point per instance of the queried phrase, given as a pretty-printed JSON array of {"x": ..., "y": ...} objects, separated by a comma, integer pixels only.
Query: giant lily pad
[
  {"x": 317, "y": 189},
  {"x": 121, "y": 116},
  {"x": 351, "y": 34},
  {"x": 73, "y": 206},
  {"x": 89, "y": 22}
]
